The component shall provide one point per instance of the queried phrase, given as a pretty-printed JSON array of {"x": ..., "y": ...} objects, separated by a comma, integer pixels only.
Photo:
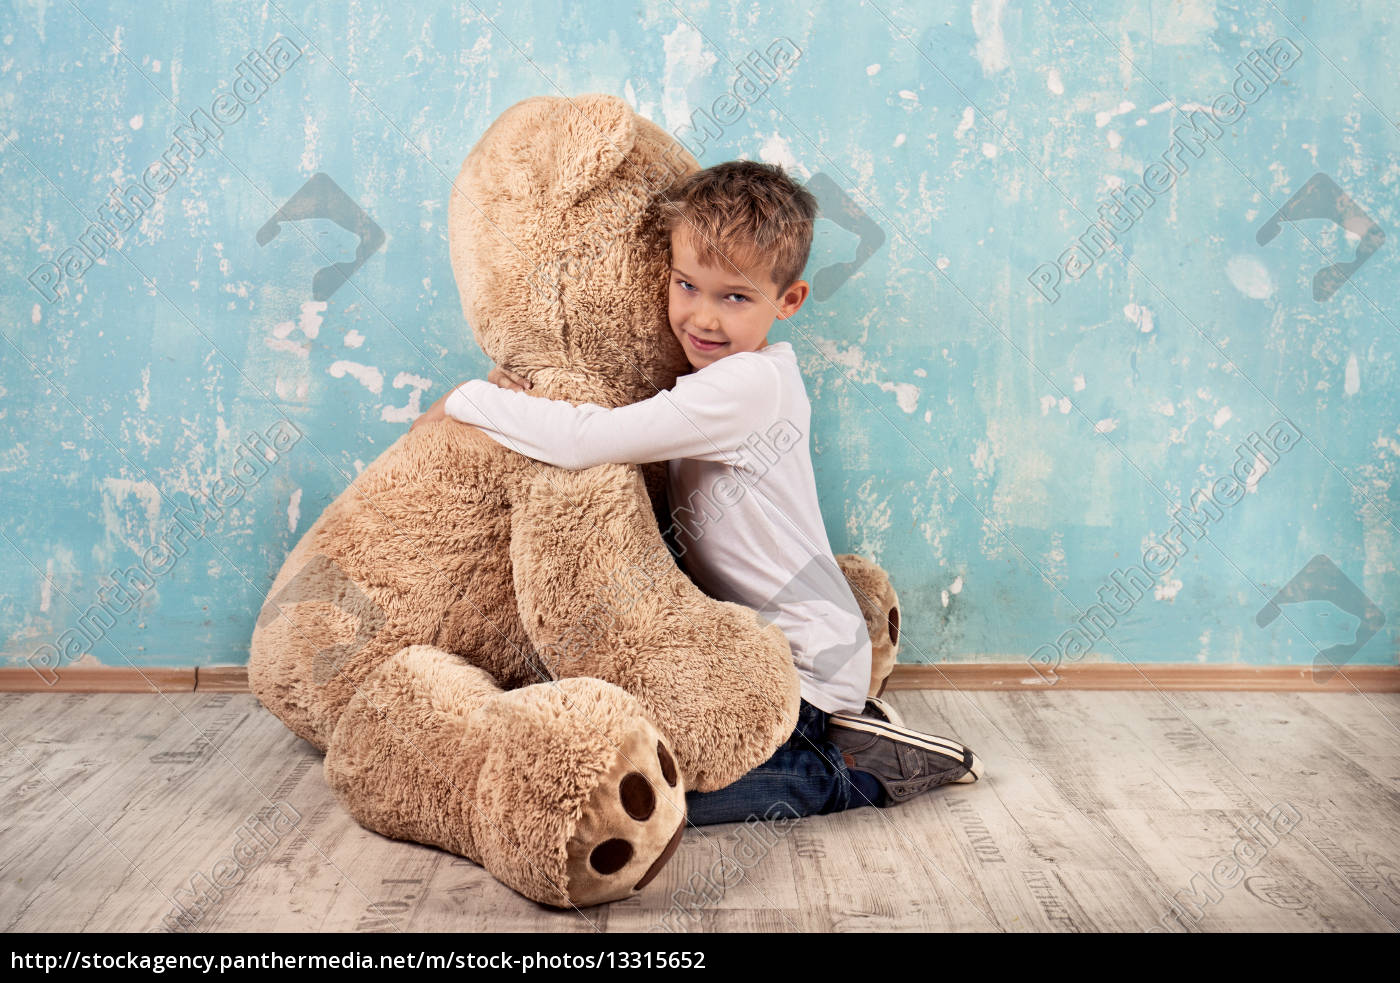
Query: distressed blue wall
[{"x": 1001, "y": 455}]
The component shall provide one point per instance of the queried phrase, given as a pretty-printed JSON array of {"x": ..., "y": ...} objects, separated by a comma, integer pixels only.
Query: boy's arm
[{"x": 706, "y": 416}]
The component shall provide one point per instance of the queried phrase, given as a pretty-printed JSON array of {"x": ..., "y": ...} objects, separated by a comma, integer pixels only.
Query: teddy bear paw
[{"x": 632, "y": 822}]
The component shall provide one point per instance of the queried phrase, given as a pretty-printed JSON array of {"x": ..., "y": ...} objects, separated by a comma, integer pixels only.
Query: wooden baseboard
[
  {"x": 124, "y": 679},
  {"x": 99, "y": 679},
  {"x": 223, "y": 679},
  {"x": 946, "y": 675},
  {"x": 1187, "y": 676}
]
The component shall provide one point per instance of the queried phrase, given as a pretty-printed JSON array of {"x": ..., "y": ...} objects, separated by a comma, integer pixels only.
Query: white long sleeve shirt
[{"x": 742, "y": 491}]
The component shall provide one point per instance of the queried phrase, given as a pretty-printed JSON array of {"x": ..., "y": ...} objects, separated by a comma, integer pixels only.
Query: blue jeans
[{"x": 805, "y": 777}]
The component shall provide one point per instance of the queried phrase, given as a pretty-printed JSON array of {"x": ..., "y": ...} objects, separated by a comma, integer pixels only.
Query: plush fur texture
[
  {"x": 499, "y": 657},
  {"x": 880, "y": 605}
]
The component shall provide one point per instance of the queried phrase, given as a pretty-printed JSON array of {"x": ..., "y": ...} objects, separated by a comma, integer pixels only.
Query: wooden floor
[{"x": 1100, "y": 811}]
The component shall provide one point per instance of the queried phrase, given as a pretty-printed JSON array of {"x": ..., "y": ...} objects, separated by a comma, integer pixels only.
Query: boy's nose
[{"x": 705, "y": 320}]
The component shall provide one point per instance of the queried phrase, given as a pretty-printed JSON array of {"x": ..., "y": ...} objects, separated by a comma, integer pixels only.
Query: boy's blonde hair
[{"x": 743, "y": 213}]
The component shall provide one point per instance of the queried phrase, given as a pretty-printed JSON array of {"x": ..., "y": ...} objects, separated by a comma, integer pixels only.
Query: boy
[{"x": 740, "y": 236}]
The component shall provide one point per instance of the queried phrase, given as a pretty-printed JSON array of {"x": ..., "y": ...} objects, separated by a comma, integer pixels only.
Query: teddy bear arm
[{"x": 600, "y": 595}]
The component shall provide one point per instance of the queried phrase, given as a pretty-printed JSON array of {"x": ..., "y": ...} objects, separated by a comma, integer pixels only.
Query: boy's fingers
[{"x": 509, "y": 379}]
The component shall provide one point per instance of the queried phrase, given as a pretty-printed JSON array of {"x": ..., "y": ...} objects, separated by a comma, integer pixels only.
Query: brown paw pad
[
  {"x": 668, "y": 764},
  {"x": 610, "y": 856},
  {"x": 638, "y": 800}
]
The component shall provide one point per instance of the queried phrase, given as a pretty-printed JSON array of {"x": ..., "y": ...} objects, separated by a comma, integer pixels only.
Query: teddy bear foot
[
  {"x": 631, "y": 824},
  {"x": 564, "y": 791},
  {"x": 880, "y": 605}
]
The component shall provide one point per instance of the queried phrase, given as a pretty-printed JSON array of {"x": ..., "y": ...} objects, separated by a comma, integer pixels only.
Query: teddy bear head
[{"x": 555, "y": 246}]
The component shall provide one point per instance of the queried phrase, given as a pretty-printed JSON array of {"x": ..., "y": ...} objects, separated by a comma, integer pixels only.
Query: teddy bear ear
[{"x": 588, "y": 140}]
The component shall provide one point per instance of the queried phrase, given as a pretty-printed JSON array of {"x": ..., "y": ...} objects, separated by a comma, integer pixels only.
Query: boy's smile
[{"x": 716, "y": 312}]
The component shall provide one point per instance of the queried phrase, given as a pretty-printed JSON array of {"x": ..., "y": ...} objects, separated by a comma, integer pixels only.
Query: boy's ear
[{"x": 792, "y": 299}]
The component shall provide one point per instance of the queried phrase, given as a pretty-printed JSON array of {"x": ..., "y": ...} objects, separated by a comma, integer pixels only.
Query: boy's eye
[{"x": 687, "y": 286}]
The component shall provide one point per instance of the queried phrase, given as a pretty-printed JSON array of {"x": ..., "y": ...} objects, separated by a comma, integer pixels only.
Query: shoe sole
[
  {"x": 891, "y": 715},
  {"x": 875, "y": 709},
  {"x": 938, "y": 745}
]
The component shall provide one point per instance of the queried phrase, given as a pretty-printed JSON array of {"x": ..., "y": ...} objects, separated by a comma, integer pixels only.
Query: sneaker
[
  {"x": 875, "y": 709},
  {"x": 880, "y": 710},
  {"x": 905, "y": 762}
]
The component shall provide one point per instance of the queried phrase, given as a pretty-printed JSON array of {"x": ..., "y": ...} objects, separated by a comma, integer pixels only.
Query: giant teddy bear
[{"x": 502, "y": 658}]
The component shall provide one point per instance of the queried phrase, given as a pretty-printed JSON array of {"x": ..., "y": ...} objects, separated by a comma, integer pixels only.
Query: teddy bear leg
[
  {"x": 880, "y": 605},
  {"x": 600, "y": 597},
  {"x": 563, "y": 791},
  {"x": 315, "y": 620}
]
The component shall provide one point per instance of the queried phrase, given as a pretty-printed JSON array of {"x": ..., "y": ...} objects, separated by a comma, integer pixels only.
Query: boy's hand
[
  {"x": 507, "y": 379},
  {"x": 436, "y": 412}
]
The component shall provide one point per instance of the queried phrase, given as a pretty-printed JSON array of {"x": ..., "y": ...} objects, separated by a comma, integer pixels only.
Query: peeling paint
[{"x": 367, "y": 375}]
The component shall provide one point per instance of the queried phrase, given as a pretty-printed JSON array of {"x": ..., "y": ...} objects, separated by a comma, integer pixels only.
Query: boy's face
[{"x": 709, "y": 303}]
